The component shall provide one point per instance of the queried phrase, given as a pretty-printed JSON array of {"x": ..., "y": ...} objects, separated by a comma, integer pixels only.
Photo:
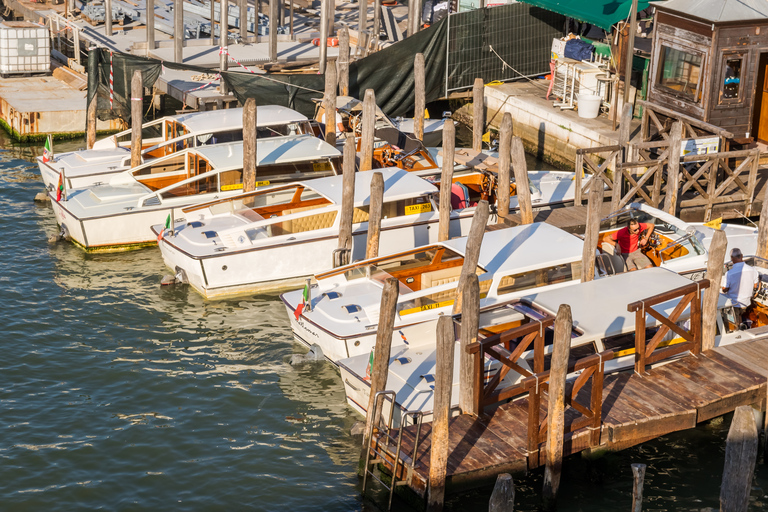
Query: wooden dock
[{"x": 669, "y": 398}]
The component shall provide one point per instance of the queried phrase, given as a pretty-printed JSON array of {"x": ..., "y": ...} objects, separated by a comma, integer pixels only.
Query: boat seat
[
  {"x": 609, "y": 264},
  {"x": 359, "y": 216},
  {"x": 307, "y": 223}
]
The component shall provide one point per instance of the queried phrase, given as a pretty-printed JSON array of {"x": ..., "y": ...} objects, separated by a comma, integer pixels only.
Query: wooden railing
[
  {"x": 589, "y": 157},
  {"x": 648, "y": 351}
]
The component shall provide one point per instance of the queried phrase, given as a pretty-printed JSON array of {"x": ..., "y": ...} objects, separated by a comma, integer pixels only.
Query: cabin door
[{"x": 760, "y": 117}]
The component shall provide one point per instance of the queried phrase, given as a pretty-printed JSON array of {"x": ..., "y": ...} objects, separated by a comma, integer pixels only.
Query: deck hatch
[
  {"x": 210, "y": 234},
  {"x": 352, "y": 308},
  {"x": 195, "y": 224}
]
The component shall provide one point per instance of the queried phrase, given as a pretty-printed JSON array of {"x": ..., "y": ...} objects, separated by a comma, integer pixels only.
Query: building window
[
  {"x": 680, "y": 71},
  {"x": 731, "y": 84}
]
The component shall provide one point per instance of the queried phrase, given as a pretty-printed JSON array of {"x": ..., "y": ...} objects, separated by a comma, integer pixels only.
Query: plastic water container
[
  {"x": 589, "y": 105},
  {"x": 25, "y": 47}
]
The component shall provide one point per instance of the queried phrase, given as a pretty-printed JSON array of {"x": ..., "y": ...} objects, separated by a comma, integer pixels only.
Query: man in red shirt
[{"x": 630, "y": 243}]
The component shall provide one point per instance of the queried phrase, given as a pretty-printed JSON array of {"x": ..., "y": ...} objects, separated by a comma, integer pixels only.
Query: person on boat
[
  {"x": 631, "y": 240},
  {"x": 741, "y": 283}
]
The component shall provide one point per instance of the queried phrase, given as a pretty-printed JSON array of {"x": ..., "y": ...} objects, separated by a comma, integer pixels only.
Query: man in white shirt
[{"x": 741, "y": 283}]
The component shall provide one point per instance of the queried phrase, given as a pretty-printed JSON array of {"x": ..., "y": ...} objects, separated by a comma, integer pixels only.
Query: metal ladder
[{"x": 380, "y": 458}]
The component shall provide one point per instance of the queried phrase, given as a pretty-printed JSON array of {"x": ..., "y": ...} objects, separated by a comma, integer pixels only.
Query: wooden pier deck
[{"x": 668, "y": 398}]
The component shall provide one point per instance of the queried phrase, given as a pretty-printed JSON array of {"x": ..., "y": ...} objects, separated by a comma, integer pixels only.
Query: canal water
[{"x": 117, "y": 394}]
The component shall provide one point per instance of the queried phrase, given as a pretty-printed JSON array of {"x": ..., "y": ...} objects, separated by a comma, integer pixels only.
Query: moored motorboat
[
  {"x": 118, "y": 216},
  {"x": 343, "y": 312}
]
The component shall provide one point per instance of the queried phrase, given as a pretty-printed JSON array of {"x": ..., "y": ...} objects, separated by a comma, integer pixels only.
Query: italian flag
[
  {"x": 370, "y": 365},
  {"x": 60, "y": 186},
  {"x": 304, "y": 300},
  {"x": 47, "y": 154},
  {"x": 167, "y": 227}
]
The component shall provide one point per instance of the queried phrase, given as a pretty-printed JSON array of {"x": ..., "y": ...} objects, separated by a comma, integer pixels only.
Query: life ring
[{"x": 332, "y": 41}]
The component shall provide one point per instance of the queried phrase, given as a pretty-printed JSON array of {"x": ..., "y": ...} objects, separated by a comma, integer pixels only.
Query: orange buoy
[{"x": 332, "y": 41}]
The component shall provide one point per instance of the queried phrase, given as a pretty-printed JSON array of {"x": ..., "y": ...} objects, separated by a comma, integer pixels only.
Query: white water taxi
[
  {"x": 601, "y": 321},
  {"x": 273, "y": 239},
  {"x": 118, "y": 216},
  {"x": 679, "y": 246},
  {"x": 162, "y": 137},
  {"x": 344, "y": 312}
]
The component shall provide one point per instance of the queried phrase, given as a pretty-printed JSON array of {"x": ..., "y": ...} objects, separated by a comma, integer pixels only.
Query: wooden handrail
[
  {"x": 599, "y": 149},
  {"x": 668, "y": 295},
  {"x": 690, "y": 120}
]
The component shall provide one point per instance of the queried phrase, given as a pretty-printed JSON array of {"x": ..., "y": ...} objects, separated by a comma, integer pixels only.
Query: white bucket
[{"x": 589, "y": 105}]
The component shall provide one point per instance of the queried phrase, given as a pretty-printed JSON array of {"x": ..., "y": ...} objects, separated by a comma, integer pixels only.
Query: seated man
[
  {"x": 741, "y": 283},
  {"x": 630, "y": 243}
]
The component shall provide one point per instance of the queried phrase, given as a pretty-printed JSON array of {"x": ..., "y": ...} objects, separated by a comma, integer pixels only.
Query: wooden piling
[
  {"x": 108, "y": 18},
  {"x": 213, "y": 23},
  {"x": 150, "y": 28},
  {"x": 556, "y": 407},
  {"x": 715, "y": 261},
  {"x": 520, "y": 167},
  {"x": 438, "y": 457},
  {"x": 472, "y": 251},
  {"x": 344, "y": 251},
  {"x": 178, "y": 31},
  {"x": 362, "y": 17},
  {"x": 592, "y": 233},
  {"x": 376, "y": 24},
  {"x": 224, "y": 21},
  {"x": 762, "y": 233},
  {"x": 342, "y": 62},
  {"x": 446, "y": 180},
  {"x": 419, "y": 81},
  {"x": 329, "y": 103},
  {"x": 638, "y": 477},
  {"x": 380, "y": 368},
  {"x": 137, "y": 96},
  {"x": 673, "y": 168},
  {"x": 505, "y": 151},
  {"x": 249, "y": 145},
  {"x": 374, "y": 215},
  {"x": 503, "y": 496},
  {"x": 366, "y": 135},
  {"x": 625, "y": 128},
  {"x": 91, "y": 124},
  {"x": 478, "y": 114},
  {"x": 273, "y": 8},
  {"x": 323, "y": 35},
  {"x": 740, "y": 457},
  {"x": 223, "y": 65},
  {"x": 243, "y": 20},
  {"x": 470, "y": 323}
]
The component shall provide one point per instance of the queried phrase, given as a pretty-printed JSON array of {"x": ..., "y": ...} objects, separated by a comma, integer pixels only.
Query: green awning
[{"x": 601, "y": 13}]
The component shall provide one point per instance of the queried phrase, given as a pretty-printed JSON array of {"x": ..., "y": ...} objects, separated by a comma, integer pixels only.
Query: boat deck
[{"x": 636, "y": 409}]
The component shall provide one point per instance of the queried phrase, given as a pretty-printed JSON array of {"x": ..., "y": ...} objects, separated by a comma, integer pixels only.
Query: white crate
[
  {"x": 25, "y": 47},
  {"x": 558, "y": 49}
]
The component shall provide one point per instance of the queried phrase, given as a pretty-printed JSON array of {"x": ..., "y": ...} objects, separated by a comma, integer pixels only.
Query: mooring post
[
  {"x": 213, "y": 22},
  {"x": 523, "y": 190},
  {"x": 273, "y": 30},
  {"x": 380, "y": 367},
  {"x": 362, "y": 18},
  {"x": 224, "y": 22},
  {"x": 366, "y": 135},
  {"x": 374, "y": 215},
  {"x": 107, "y": 18},
  {"x": 323, "y": 36},
  {"x": 137, "y": 97},
  {"x": 638, "y": 477},
  {"x": 625, "y": 128},
  {"x": 470, "y": 324},
  {"x": 329, "y": 103},
  {"x": 376, "y": 24},
  {"x": 178, "y": 31},
  {"x": 556, "y": 407},
  {"x": 503, "y": 496},
  {"x": 150, "y": 27},
  {"x": 249, "y": 145},
  {"x": 223, "y": 65},
  {"x": 673, "y": 168},
  {"x": 91, "y": 124},
  {"x": 446, "y": 181},
  {"x": 592, "y": 233},
  {"x": 715, "y": 263},
  {"x": 472, "y": 251},
  {"x": 343, "y": 61},
  {"x": 438, "y": 457},
  {"x": 478, "y": 114},
  {"x": 762, "y": 231},
  {"x": 415, "y": 17},
  {"x": 343, "y": 254},
  {"x": 243, "y": 21},
  {"x": 419, "y": 81},
  {"x": 740, "y": 457},
  {"x": 505, "y": 154}
]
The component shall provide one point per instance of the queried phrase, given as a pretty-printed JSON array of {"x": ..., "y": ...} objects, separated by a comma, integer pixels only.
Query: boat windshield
[{"x": 412, "y": 263}]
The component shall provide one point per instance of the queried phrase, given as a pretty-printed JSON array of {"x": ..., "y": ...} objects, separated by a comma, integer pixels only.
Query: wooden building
[{"x": 709, "y": 62}]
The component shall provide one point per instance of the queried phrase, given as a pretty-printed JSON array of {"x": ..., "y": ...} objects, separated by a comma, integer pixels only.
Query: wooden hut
[{"x": 709, "y": 62}]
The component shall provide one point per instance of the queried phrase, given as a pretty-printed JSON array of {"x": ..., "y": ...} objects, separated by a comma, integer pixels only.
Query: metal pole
[
  {"x": 223, "y": 66},
  {"x": 244, "y": 21},
  {"x": 107, "y": 18},
  {"x": 224, "y": 23}
]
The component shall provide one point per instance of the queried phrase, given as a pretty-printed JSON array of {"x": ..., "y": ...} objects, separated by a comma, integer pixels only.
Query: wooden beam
[
  {"x": 715, "y": 261},
  {"x": 505, "y": 152},
  {"x": 762, "y": 231},
  {"x": 419, "y": 81},
  {"x": 520, "y": 167},
  {"x": 366, "y": 135},
  {"x": 592, "y": 234},
  {"x": 472, "y": 251},
  {"x": 673, "y": 169},
  {"x": 740, "y": 456},
  {"x": 344, "y": 253},
  {"x": 323, "y": 34},
  {"x": 446, "y": 181},
  {"x": 556, "y": 406},
  {"x": 137, "y": 95},
  {"x": 342, "y": 62},
  {"x": 178, "y": 31},
  {"x": 438, "y": 457},
  {"x": 329, "y": 103},
  {"x": 470, "y": 324},
  {"x": 478, "y": 114},
  {"x": 374, "y": 215},
  {"x": 249, "y": 145}
]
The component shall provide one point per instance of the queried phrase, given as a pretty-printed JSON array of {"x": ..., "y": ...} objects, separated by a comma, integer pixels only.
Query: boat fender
[
  {"x": 331, "y": 41},
  {"x": 315, "y": 354}
]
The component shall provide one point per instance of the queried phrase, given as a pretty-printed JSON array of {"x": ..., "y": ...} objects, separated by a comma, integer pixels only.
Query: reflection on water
[{"x": 117, "y": 393}]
